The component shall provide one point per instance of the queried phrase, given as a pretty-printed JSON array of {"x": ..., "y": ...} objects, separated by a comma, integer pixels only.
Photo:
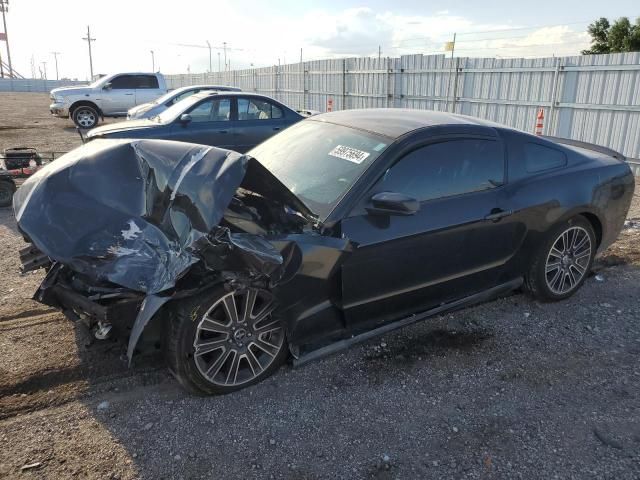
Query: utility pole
[
  {"x": 301, "y": 55},
  {"x": 153, "y": 61},
  {"x": 89, "y": 40},
  {"x": 4, "y": 7},
  {"x": 218, "y": 62},
  {"x": 55, "y": 56},
  {"x": 209, "y": 46},
  {"x": 224, "y": 45},
  {"x": 379, "y": 52},
  {"x": 44, "y": 67}
]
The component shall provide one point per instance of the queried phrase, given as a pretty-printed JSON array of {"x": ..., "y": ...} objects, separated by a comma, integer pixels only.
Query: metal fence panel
[
  {"x": 592, "y": 98},
  {"x": 34, "y": 84}
]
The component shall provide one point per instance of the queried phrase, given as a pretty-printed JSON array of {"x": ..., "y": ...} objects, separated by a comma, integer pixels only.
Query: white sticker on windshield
[{"x": 347, "y": 153}]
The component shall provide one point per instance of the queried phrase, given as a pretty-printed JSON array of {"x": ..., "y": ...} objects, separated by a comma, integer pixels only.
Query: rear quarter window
[{"x": 539, "y": 158}]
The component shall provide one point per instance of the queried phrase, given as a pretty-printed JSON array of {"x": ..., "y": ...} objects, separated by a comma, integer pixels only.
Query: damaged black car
[{"x": 345, "y": 226}]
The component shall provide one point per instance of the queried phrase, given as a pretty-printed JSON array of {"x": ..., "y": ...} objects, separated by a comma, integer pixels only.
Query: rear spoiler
[{"x": 587, "y": 146}]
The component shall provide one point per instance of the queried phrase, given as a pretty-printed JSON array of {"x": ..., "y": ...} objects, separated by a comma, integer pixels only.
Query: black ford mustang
[{"x": 345, "y": 226}]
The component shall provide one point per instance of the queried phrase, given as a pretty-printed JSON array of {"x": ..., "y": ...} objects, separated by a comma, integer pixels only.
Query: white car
[
  {"x": 110, "y": 96},
  {"x": 151, "y": 109}
]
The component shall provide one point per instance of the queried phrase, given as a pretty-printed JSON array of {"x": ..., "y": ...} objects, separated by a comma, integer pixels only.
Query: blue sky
[{"x": 264, "y": 33}]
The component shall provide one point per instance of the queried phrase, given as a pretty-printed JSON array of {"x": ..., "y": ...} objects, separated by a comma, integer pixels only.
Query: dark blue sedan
[{"x": 234, "y": 120}]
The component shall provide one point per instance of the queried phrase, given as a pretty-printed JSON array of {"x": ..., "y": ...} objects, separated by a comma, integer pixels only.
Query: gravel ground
[{"x": 509, "y": 389}]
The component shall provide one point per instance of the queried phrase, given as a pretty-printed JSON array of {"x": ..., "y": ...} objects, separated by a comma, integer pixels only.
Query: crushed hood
[{"x": 132, "y": 212}]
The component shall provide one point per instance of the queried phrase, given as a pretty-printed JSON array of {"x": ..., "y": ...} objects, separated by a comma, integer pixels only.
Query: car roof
[
  {"x": 129, "y": 73},
  {"x": 209, "y": 87},
  {"x": 210, "y": 93},
  {"x": 395, "y": 122}
]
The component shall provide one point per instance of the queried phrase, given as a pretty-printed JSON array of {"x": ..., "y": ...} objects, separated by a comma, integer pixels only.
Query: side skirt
[{"x": 363, "y": 337}]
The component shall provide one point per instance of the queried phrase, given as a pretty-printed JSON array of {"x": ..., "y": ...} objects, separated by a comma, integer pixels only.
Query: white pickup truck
[{"x": 109, "y": 96}]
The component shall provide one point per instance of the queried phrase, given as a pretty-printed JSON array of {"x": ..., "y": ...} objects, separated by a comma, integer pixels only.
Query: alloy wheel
[
  {"x": 86, "y": 118},
  {"x": 238, "y": 337},
  {"x": 568, "y": 260}
]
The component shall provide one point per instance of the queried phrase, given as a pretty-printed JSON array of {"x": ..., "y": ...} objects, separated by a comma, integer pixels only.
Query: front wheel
[
  {"x": 564, "y": 260},
  {"x": 222, "y": 341},
  {"x": 85, "y": 116}
]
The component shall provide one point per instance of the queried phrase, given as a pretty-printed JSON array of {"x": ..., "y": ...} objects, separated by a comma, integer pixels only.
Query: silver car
[{"x": 151, "y": 109}]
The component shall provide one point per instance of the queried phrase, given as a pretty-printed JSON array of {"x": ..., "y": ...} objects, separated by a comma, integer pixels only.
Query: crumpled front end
[
  {"x": 125, "y": 226},
  {"x": 128, "y": 212}
]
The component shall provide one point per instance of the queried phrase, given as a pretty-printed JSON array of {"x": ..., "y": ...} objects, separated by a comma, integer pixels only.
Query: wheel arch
[
  {"x": 151, "y": 327},
  {"x": 595, "y": 222},
  {"x": 86, "y": 103}
]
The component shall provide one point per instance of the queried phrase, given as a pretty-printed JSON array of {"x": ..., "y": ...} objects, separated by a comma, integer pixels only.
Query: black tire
[
  {"x": 541, "y": 280},
  {"x": 187, "y": 325},
  {"x": 7, "y": 189},
  {"x": 85, "y": 116}
]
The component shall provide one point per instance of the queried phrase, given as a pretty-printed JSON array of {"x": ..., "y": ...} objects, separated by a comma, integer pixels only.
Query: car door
[
  {"x": 120, "y": 95},
  {"x": 453, "y": 246},
  {"x": 211, "y": 123},
  {"x": 147, "y": 88},
  {"x": 258, "y": 119}
]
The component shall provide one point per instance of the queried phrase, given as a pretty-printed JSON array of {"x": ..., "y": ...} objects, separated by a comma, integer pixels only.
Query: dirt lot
[
  {"x": 509, "y": 389},
  {"x": 25, "y": 121}
]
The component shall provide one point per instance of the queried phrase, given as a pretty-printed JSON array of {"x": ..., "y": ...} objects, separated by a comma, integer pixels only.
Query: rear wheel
[
  {"x": 223, "y": 341},
  {"x": 564, "y": 260},
  {"x": 85, "y": 116}
]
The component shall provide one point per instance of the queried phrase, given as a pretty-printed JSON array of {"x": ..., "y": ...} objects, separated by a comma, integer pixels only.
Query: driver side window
[
  {"x": 123, "y": 82},
  {"x": 445, "y": 169}
]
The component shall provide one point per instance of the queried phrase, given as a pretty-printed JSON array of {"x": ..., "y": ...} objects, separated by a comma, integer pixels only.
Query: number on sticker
[{"x": 347, "y": 153}]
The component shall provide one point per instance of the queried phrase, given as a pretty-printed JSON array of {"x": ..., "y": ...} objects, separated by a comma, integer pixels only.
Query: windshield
[
  {"x": 169, "y": 96},
  {"x": 177, "y": 109},
  {"x": 319, "y": 161}
]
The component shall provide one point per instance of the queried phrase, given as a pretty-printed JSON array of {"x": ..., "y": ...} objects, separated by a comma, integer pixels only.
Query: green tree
[{"x": 622, "y": 36}]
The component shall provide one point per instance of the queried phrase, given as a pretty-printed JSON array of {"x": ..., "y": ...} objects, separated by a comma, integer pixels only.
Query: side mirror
[
  {"x": 185, "y": 118},
  {"x": 107, "y": 86},
  {"x": 391, "y": 203}
]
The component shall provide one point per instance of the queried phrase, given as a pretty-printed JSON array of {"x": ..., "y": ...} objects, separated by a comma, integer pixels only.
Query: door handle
[
  {"x": 498, "y": 214},
  {"x": 223, "y": 131},
  {"x": 277, "y": 128},
  {"x": 128, "y": 93}
]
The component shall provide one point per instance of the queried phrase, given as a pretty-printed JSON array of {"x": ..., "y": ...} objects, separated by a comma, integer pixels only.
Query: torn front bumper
[{"x": 93, "y": 306}]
